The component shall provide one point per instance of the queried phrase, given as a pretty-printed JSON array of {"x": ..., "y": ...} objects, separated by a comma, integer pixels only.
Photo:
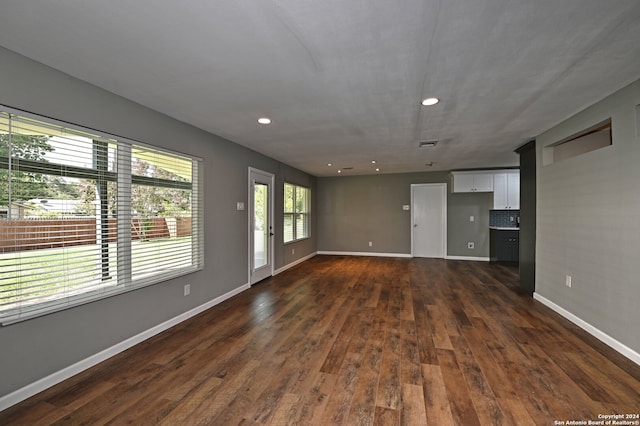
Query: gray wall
[
  {"x": 354, "y": 210},
  {"x": 588, "y": 221},
  {"x": 36, "y": 348}
]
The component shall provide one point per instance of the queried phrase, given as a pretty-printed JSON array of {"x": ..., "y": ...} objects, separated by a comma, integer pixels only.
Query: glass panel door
[
  {"x": 260, "y": 225},
  {"x": 261, "y": 252}
]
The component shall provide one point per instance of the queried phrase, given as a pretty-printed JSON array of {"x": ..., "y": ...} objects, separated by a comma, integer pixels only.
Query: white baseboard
[
  {"x": 363, "y": 253},
  {"x": 366, "y": 253},
  {"x": 598, "y": 334},
  {"x": 477, "y": 259},
  {"x": 292, "y": 264},
  {"x": 28, "y": 391}
]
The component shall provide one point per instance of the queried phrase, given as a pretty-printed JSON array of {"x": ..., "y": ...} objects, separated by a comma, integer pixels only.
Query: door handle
[
  {"x": 271, "y": 234},
  {"x": 415, "y": 225}
]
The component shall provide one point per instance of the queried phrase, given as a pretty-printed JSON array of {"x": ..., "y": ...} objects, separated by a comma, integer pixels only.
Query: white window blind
[
  {"x": 84, "y": 216},
  {"x": 297, "y": 210},
  {"x": 162, "y": 199}
]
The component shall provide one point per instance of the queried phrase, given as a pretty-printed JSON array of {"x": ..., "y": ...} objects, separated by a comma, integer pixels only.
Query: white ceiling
[{"x": 342, "y": 80}]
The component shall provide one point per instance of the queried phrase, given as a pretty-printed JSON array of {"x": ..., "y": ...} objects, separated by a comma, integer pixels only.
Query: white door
[
  {"x": 429, "y": 220},
  {"x": 260, "y": 225}
]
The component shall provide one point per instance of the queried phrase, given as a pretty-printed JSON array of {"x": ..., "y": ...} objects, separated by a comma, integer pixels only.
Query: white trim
[
  {"x": 598, "y": 334},
  {"x": 31, "y": 389},
  {"x": 477, "y": 259},
  {"x": 363, "y": 253},
  {"x": 294, "y": 263}
]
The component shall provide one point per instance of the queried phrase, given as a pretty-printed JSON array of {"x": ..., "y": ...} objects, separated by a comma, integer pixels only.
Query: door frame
[
  {"x": 444, "y": 215},
  {"x": 270, "y": 178}
]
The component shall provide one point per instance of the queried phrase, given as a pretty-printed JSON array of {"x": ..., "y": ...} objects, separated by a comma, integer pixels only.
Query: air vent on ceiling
[
  {"x": 347, "y": 168},
  {"x": 427, "y": 144}
]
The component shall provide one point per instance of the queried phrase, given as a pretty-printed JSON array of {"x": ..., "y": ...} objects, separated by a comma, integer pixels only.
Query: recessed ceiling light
[
  {"x": 430, "y": 101},
  {"x": 329, "y": 164},
  {"x": 373, "y": 161},
  {"x": 339, "y": 171},
  {"x": 377, "y": 169},
  {"x": 264, "y": 120}
]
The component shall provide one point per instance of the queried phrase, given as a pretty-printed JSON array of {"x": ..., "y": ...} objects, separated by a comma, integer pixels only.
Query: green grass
[{"x": 40, "y": 275}]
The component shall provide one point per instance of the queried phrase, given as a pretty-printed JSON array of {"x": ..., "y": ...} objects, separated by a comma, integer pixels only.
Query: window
[
  {"x": 85, "y": 216},
  {"x": 297, "y": 202}
]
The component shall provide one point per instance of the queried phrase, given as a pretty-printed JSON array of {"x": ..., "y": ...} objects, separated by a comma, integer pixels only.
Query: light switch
[
  {"x": 472, "y": 218},
  {"x": 405, "y": 207},
  {"x": 239, "y": 205}
]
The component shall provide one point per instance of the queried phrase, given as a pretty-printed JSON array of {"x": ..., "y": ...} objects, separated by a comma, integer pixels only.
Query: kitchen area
[
  {"x": 504, "y": 236},
  {"x": 504, "y": 217}
]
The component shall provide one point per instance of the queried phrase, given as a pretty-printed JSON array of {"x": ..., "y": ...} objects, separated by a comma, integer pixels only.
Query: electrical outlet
[
  {"x": 370, "y": 243},
  {"x": 568, "y": 281},
  {"x": 471, "y": 245},
  {"x": 187, "y": 289},
  {"x": 293, "y": 251}
]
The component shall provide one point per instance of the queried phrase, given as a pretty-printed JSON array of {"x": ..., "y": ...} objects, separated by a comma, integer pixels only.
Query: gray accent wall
[
  {"x": 353, "y": 210},
  {"x": 588, "y": 221},
  {"x": 34, "y": 349}
]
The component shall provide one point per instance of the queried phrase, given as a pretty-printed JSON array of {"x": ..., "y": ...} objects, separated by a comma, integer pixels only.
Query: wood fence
[{"x": 37, "y": 234}]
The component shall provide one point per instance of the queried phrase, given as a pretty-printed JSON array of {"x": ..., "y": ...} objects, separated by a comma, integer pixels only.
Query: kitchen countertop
[{"x": 505, "y": 228}]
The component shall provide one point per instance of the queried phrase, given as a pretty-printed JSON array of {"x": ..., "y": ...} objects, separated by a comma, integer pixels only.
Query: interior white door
[
  {"x": 429, "y": 220},
  {"x": 260, "y": 225}
]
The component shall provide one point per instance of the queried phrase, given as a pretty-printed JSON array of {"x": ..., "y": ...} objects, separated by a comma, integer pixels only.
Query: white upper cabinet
[
  {"x": 506, "y": 191},
  {"x": 472, "y": 182}
]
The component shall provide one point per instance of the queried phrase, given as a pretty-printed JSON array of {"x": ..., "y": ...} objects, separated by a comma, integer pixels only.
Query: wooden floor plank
[
  {"x": 356, "y": 340},
  {"x": 386, "y": 417},
  {"x": 438, "y": 409},
  {"x": 413, "y": 410},
  {"x": 462, "y": 408},
  {"x": 410, "y": 370},
  {"x": 388, "y": 395},
  {"x": 316, "y": 399},
  {"x": 339, "y": 404},
  {"x": 484, "y": 400},
  {"x": 362, "y": 411},
  {"x": 288, "y": 411}
]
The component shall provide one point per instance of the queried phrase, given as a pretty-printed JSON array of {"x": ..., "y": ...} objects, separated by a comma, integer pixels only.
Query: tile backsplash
[{"x": 503, "y": 218}]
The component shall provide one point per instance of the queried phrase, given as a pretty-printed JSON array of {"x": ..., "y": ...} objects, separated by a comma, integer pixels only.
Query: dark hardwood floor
[{"x": 356, "y": 340}]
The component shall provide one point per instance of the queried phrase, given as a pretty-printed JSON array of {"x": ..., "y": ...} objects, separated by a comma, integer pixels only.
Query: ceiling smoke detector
[{"x": 427, "y": 144}]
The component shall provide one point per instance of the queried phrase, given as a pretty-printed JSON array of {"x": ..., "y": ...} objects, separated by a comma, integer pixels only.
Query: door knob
[{"x": 415, "y": 225}]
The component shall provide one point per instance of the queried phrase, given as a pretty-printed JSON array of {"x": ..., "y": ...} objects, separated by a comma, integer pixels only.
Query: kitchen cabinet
[
  {"x": 504, "y": 245},
  {"x": 506, "y": 191},
  {"x": 472, "y": 181}
]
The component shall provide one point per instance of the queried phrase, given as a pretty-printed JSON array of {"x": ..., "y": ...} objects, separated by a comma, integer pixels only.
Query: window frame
[
  {"x": 123, "y": 281},
  {"x": 295, "y": 213}
]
